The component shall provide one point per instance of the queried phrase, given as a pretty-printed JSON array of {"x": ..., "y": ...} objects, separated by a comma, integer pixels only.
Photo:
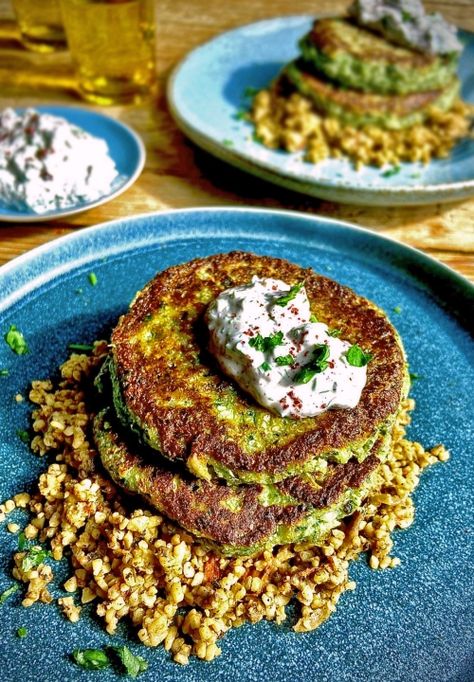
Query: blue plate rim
[
  {"x": 244, "y": 161},
  {"x": 127, "y": 130},
  {"x": 21, "y": 262}
]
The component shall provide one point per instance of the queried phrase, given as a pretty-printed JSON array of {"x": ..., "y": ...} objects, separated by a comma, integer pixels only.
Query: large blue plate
[
  {"x": 207, "y": 91},
  {"x": 125, "y": 148},
  {"x": 414, "y": 623}
]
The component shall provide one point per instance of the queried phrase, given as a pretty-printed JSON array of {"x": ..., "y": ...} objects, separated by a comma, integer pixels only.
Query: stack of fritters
[
  {"x": 358, "y": 77},
  {"x": 179, "y": 433}
]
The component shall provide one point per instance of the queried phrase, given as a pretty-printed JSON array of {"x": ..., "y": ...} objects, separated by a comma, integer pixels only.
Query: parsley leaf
[
  {"x": 250, "y": 91},
  {"x": 415, "y": 377},
  {"x": 357, "y": 357},
  {"x": 334, "y": 332},
  {"x": 313, "y": 318},
  {"x": 317, "y": 364},
  {"x": 283, "y": 360},
  {"x": 265, "y": 367},
  {"x": 8, "y": 593},
  {"x": 290, "y": 295},
  {"x": 397, "y": 309},
  {"x": 24, "y": 436},
  {"x": 92, "y": 277},
  {"x": 391, "y": 171},
  {"x": 266, "y": 343},
  {"x": 22, "y": 541},
  {"x": 22, "y": 632},
  {"x": 4, "y": 372},
  {"x": 16, "y": 340},
  {"x": 35, "y": 556},
  {"x": 84, "y": 347},
  {"x": 91, "y": 659},
  {"x": 134, "y": 665}
]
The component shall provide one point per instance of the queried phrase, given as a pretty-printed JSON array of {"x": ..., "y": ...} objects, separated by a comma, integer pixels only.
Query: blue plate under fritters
[{"x": 411, "y": 624}]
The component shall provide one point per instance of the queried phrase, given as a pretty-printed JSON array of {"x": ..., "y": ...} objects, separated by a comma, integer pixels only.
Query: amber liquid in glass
[
  {"x": 112, "y": 43},
  {"x": 40, "y": 24}
]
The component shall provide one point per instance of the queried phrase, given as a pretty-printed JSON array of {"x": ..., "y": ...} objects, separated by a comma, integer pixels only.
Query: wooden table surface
[{"x": 179, "y": 175}]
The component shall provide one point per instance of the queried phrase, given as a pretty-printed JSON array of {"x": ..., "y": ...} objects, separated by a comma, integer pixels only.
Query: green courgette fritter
[{"x": 170, "y": 391}]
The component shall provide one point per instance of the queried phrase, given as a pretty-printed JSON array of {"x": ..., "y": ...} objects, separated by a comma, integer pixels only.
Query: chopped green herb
[
  {"x": 391, "y": 171},
  {"x": 240, "y": 115},
  {"x": 84, "y": 347},
  {"x": 134, "y": 665},
  {"x": 266, "y": 343},
  {"x": 357, "y": 357},
  {"x": 92, "y": 277},
  {"x": 250, "y": 91},
  {"x": 265, "y": 367},
  {"x": 290, "y": 295},
  {"x": 8, "y": 593},
  {"x": 22, "y": 632},
  {"x": 16, "y": 341},
  {"x": 317, "y": 364},
  {"x": 228, "y": 143},
  {"x": 334, "y": 332},
  {"x": 35, "y": 556},
  {"x": 397, "y": 309},
  {"x": 91, "y": 659},
  {"x": 24, "y": 436},
  {"x": 4, "y": 372},
  {"x": 283, "y": 360},
  {"x": 313, "y": 318},
  {"x": 406, "y": 16},
  {"x": 22, "y": 541},
  {"x": 256, "y": 137},
  {"x": 415, "y": 377}
]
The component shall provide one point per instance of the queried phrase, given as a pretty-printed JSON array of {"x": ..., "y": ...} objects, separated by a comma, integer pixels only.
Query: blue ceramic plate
[
  {"x": 414, "y": 623},
  {"x": 125, "y": 147},
  {"x": 207, "y": 91}
]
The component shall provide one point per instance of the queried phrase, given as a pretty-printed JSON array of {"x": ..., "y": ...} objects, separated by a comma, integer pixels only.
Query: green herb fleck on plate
[
  {"x": 313, "y": 318},
  {"x": 22, "y": 632},
  {"x": 16, "y": 341},
  {"x": 397, "y": 310},
  {"x": 357, "y": 357},
  {"x": 134, "y": 665},
  {"x": 250, "y": 91},
  {"x": 22, "y": 541},
  {"x": 4, "y": 372},
  {"x": 82, "y": 347},
  {"x": 24, "y": 436},
  {"x": 265, "y": 367},
  {"x": 391, "y": 172},
  {"x": 92, "y": 277},
  {"x": 415, "y": 377},
  {"x": 91, "y": 659},
  {"x": 228, "y": 143},
  {"x": 334, "y": 332},
  {"x": 241, "y": 115},
  {"x": 8, "y": 593}
]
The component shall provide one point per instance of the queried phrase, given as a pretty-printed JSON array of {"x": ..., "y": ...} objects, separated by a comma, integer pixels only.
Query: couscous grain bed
[
  {"x": 290, "y": 121},
  {"x": 133, "y": 563}
]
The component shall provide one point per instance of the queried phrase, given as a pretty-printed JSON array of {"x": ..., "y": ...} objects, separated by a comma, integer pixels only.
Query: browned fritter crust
[
  {"x": 327, "y": 36},
  {"x": 152, "y": 380},
  {"x": 367, "y": 102},
  {"x": 200, "y": 506}
]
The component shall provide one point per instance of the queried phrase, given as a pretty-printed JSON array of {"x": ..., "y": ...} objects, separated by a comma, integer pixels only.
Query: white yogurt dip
[
  {"x": 47, "y": 163},
  {"x": 264, "y": 336},
  {"x": 405, "y": 22}
]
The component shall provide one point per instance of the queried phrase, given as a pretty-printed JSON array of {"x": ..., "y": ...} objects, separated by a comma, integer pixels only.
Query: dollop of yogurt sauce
[
  {"x": 405, "y": 22},
  {"x": 46, "y": 163},
  {"x": 264, "y": 336}
]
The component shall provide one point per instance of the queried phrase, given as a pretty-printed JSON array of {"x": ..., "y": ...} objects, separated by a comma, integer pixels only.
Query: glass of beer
[
  {"x": 40, "y": 24},
  {"x": 112, "y": 44}
]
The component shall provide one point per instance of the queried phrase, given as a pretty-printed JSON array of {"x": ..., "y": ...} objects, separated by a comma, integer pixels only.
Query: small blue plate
[
  {"x": 125, "y": 148},
  {"x": 411, "y": 624},
  {"x": 206, "y": 94}
]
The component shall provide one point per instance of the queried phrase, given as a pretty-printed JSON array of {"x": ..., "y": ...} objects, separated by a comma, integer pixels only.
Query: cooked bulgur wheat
[
  {"x": 134, "y": 563},
  {"x": 291, "y": 122}
]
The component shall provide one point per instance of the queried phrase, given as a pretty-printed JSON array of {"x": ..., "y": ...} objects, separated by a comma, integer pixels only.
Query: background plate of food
[
  {"x": 341, "y": 150},
  {"x": 56, "y": 161},
  {"x": 141, "y": 578}
]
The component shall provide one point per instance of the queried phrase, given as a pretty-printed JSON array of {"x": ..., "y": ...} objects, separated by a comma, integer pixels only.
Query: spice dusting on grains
[{"x": 132, "y": 563}]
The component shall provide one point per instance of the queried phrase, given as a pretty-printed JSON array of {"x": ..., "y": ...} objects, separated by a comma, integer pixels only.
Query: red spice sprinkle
[{"x": 294, "y": 310}]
